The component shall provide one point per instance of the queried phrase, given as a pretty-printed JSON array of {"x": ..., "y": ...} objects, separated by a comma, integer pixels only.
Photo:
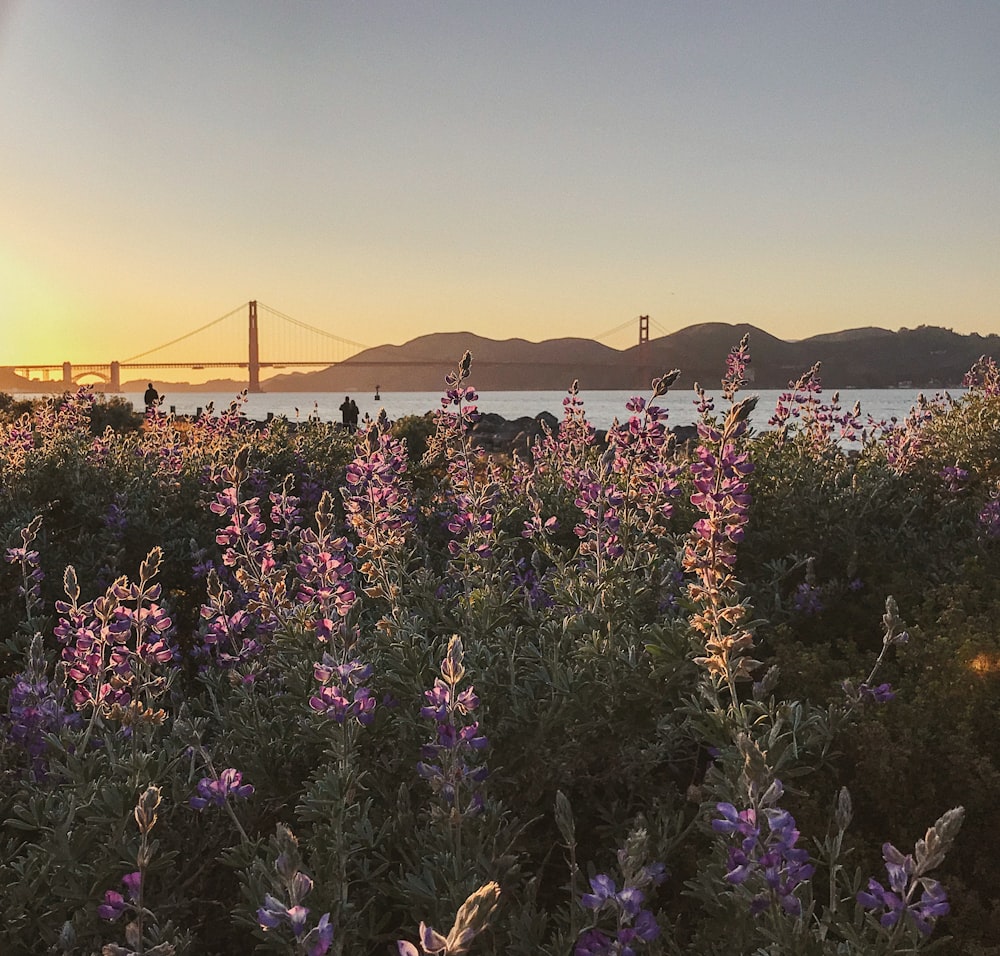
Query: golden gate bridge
[{"x": 338, "y": 349}]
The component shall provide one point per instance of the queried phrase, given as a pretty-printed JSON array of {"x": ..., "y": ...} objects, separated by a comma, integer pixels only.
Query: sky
[{"x": 385, "y": 169}]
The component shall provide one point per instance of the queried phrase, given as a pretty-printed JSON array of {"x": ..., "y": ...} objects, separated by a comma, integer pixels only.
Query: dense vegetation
[{"x": 287, "y": 689}]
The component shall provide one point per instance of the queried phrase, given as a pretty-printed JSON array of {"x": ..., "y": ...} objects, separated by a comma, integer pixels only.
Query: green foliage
[{"x": 415, "y": 430}]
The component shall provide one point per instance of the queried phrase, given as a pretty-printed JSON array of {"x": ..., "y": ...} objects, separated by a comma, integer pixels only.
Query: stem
[
  {"x": 340, "y": 850},
  {"x": 574, "y": 872},
  {"x": 95, "y": 699},
  {"x": 141, "y": 913},
  {"x": 878, "y": 662},
  {"x": 236, "y": 822}
]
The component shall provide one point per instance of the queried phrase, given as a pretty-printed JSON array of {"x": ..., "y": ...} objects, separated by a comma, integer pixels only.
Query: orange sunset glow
[{"x": 385, "y": 170}]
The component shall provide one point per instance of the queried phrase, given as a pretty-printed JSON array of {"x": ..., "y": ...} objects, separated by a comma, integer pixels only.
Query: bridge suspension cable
[
  {"x": 187, "y": 335},
  {"x": 311, "y": 328},
  {"x": 659, "y": 328},
  {"x": 628, "y": 323}
]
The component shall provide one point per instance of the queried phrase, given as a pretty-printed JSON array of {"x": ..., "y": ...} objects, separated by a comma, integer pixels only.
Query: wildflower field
[{"x": 284, "y": 689}]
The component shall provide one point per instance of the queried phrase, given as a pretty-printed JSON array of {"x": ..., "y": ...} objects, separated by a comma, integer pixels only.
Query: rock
[
  {"x": 494, "y": 433},
  {"x": 684, "y": 433},
  {"x": 549, "y": 420}
]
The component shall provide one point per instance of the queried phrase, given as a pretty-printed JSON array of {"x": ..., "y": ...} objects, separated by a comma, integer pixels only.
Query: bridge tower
[
  {"x": 68, "y": 374},
  {"x": 254, "y": 358},
  {"x": 115, "y": 385},
  {"x": 645, "y": 369}
]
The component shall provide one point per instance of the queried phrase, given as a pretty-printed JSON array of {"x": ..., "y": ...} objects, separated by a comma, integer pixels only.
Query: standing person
[
  {"x": 151, "y": 398},
  {"x": 345, "y": 412},
  {"x": 355, "y": 412}
]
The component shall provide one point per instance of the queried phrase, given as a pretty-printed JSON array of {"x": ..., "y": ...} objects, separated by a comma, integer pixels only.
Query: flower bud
[
  {"x": 564, "y": 818},
  {"x": 845, "y": 809},
  {"x": 661, "y": 384},
  {"x": 145, "y": 809}
]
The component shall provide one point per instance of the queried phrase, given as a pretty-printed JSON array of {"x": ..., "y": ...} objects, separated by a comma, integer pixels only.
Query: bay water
[{"x": 602, "y": 406}]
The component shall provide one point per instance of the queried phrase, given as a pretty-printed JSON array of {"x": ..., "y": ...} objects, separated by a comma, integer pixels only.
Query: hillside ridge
[{"x": 870, "y": 357}]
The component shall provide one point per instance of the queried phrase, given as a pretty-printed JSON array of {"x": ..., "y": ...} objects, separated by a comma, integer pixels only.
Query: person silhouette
[
  {"x": 345, "y": 412},
  {"x": 355, "y": 414},
  {"x": 151, "y": 398}
]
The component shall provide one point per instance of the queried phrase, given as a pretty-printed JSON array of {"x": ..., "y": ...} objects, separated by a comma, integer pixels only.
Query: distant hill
[
  {"x": 925, "y": 357},
  {"x": 9, "y": 382},
  {"x": 864, "y": 358},
  {"x": 421, "y": 365}
]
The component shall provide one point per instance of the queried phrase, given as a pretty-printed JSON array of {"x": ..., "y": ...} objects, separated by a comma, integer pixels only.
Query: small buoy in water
[{"x": 378, "y": 397}]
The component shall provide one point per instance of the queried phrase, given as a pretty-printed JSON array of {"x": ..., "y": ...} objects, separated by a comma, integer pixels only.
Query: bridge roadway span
[{"x": 110, "y": 372}]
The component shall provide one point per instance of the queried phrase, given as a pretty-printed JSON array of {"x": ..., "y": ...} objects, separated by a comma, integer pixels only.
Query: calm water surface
[{"x": 602, "y": 406}]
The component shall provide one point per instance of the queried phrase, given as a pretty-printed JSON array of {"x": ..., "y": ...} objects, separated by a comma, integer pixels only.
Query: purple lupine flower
[
  {"x": 115, "y": 519},
  {"x": 955, "y": 478},
  {"x": 36, "y": 708},
  {"x": 202, "y": 569},
  {"x": 536, "y": 525},
  {"x": 325, "y": 573},
  {"x": 799, "y": 402},
  {"x": 526, "y": 581},
  {"x": 556, "y": 453},
  {"x": 319, "y": 939},
  {"x": 112, "y": 907},
  {"x": 807, "y": 599},
  {"x": 274, "y": 913},
  {"x": 216, "y": 791},
  {"x": 286, "y": 514},
  {"x": 903, "y": 442},
  {"x": 114, "y": 904},
  {"x": 469, "y": 508},
  {"x": 593, "y": 942},
  {"x": 377, "y": 505},
  {"x": 984, "y": 377},
  {"x": 115, "y": 646},
  {"x": 899, "y": 901},
  {"x": 18, "y": 438},
  {"x": 310, "y": 489},
  {"x": 643, "y": 467},
  {"x": 246, "y": 529},
  {"x": 820, "y": 423},
  {"x": 736, "y": 365},
  {"x": 133, "y": 884},
  {"x": 32, "y": 575},
  {"x": 575, "y": 432},
  {"x": 228, "y": 635},
  {"x": 768, "y": 861},
  {"x": 598, "y": 499},
  {"x": 343, "y": 694},
  {"x": 881, "y": 694},
  {"x": 704, "y": 404},
  {"x": 604, "y": 889},
  {"x": 634, "y": 925},
  {"x": 989, "y": 518},
  {"x": 295, "y": 886},
  {"x": 645, "y": 926},
  {"x": 743, "y": 822},
  {"x": 446, "y": 764},
  {"x": 249, "y": 549}
]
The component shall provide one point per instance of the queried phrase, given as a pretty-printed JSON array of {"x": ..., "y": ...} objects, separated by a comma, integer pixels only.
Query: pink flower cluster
[{"x": 115, "y": 645}]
